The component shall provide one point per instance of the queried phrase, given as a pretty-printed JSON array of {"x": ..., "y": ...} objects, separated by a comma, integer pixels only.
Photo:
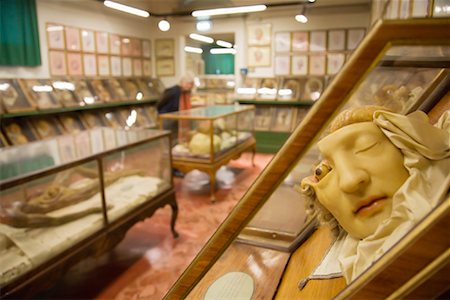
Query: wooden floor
[{"x": 149, "y": 260}]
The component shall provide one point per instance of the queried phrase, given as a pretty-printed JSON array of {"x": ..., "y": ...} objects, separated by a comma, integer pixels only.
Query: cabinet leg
[
  {"x": 212, "y": 177},
  {"x": 253, "y": 156},
  {"x": 174, "y": 207}
]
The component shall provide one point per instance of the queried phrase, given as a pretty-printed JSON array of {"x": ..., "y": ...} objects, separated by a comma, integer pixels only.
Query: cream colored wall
[{"x": 93, "y": 15}]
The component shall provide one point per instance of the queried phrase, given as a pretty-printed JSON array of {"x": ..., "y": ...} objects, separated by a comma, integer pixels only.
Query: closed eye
[{"x": 371, "y": 145}]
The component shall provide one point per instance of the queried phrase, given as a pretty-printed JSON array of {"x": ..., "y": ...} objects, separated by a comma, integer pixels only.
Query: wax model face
[{"x": 362, "y": 172}]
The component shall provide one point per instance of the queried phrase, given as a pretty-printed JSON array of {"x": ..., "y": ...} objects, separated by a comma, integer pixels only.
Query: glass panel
[
  {"x": 43, "y": 217},
  {"x": 135, "y": 175},
  {"x": 406, "y": 78},
  {"x": 206, "y": 133},
  {"x": 208, "y": 112}
]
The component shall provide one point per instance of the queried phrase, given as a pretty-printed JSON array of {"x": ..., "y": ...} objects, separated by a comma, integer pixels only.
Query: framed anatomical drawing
[
  {"x": 103, "y": 65},
  {"x": 354, "y": 36},
  {"x": 165, "y": 67},
  {"x": 299, "y": 65},
  {"x": 259, "y": 57},
  {"x": 147, "y": 67},
  {"x": 317, "y": 65},
  {"x": 136, "y": 47},
  {"x": 90, "y": 64},
  {"x": 74, "y": 64},
  {"x": 88, "y": 40},
  {"x": 335, "y": 61},
  {"x": 336, "y": 39},
  {"x": 137, "y": 67},
  {"x": 259, "y": 34},
  {"x": 164, "y": 48},
  {"x": 146, "y": 50},
  {"x": 127, "y": 66},
  {"x": 282, "y": 65},
  {"x": 116, "y": 66},
  {"x": 318, "y": 40},
  {"x": 282, "y": 42},
  {"x": 73, "y": 39},
  {"x": 125, "y": 46},
  {"x": 263, "y": 117},
  {"x": 300, "y": 41},
  {"x": 282, "y": 119},
  {"x": 101, "y": 42},
  {"x": 55, "y": 36},
  {"x": 114, "y": 44},
  {"x": 57, "y": 63}
]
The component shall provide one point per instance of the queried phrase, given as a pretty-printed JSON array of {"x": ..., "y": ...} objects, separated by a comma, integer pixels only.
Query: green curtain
[
  {"x": 19, "y": 34},
  {"x": 217, "y": 63}
]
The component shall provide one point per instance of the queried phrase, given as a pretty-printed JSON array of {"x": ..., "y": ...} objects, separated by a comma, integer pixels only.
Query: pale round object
[
  {"x": 201, "y": 143},
  {"x": 232, "y": 285},
  {"x": 313, "y": 88}
]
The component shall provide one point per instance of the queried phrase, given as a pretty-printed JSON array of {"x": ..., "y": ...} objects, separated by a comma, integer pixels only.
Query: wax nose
[{"x": 351, "y": 177}]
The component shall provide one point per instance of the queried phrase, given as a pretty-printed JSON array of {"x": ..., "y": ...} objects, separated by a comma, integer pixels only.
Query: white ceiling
[{"x": 169, "y": 7}]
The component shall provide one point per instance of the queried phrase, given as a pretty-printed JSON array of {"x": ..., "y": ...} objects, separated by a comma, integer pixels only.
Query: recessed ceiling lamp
[
  {"x": 201, "y": 38},
  {"x": 164, "y": 25},
  {"x": 227, "y": 11},
  {"x": 224, "y": 44},
  {"x": 203, "y": 25},
  {"x": 126, "y": 8},
  {"x": 222, "y": 51},
  {"x": 193, "y": 49},
  {"x": 302, "y": 16}
]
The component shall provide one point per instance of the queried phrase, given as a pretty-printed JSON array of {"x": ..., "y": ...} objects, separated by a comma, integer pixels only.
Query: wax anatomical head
[{"x": 360, "y": 172}]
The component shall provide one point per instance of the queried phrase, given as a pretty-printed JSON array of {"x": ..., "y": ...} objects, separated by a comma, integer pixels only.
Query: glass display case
[
  {"x": 207, "y": 138},
  {"x": 67, "y": 197},
  {"x": 213, "y": 90},
  {"x": 402, "y": 65}
]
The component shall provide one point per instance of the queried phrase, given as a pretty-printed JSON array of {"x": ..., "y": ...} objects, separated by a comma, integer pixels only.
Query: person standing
[{"x": 177, "y": 97}]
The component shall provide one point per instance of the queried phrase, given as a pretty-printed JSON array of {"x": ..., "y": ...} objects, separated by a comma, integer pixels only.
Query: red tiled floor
[{"x": 149, "y": 260}]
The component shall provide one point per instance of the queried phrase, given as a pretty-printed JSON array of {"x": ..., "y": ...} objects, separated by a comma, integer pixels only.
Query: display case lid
[
  {"x": 31, "y": 160},
  {"x": 209, "y": 112},
  {"x": 381, "y": 47}
]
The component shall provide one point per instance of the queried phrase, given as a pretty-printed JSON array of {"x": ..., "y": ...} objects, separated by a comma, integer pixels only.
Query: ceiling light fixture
[
  {"x": 164, "y": 25},
  {"x": 127, "y": 9},
  {"x": 224, "y": 44},
  {"x": 201, "y": 38},
  {"x": 302, "y": 16},
  {"x": 203, "y": 25},
  {"x": 227, "y": 11},
  {"x": 222, "y": 51},
  {"x": 193, "y": 49}
]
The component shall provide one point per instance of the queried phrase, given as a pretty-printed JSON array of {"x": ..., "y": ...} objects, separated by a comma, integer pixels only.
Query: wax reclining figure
[{"x": 381, "y": 173}]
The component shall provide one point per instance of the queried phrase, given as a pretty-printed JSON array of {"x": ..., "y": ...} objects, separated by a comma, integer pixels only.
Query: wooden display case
[
  {"x": 209, "y": 137},
  {"x": 417, "y": 265},
  {"x": 74, "y": 196}
]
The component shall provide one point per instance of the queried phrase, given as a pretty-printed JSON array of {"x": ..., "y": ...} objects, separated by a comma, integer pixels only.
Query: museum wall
[{"x": 93, "y": 15}]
